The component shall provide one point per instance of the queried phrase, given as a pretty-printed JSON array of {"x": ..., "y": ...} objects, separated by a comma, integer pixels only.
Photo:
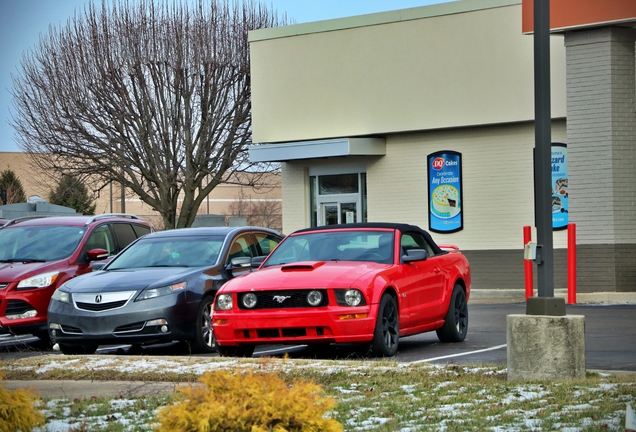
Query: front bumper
[
  {"x": 302, "y": 325},
  {"x": 128, "y": 324}
]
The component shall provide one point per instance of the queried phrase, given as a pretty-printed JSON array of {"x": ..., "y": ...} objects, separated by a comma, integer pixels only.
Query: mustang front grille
[{"x": 283, "y": 299}]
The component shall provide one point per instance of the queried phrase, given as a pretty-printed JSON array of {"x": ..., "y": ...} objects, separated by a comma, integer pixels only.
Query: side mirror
[
  {"x": 241, "y": 262},
  {"x": 97, "y": 254},
  {"x": 257, "y": 261},
  {"x": 98, "y": 266},
  {"x": 414, "y": 255}
]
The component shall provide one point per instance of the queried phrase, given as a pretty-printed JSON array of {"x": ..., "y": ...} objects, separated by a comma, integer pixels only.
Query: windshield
[
  {"x": 39, "y": 243},
  {"x": 170, "y": 252},
  {"x": 359, "y": 245}
]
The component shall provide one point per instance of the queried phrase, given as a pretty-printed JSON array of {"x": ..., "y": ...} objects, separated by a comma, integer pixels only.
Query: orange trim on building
[{"x": 572, "y": 14}]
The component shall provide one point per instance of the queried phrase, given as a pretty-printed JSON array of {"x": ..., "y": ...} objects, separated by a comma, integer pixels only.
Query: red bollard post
[
  {"x": 527, "y": 264},
  {"x": 571, "y": 263}
]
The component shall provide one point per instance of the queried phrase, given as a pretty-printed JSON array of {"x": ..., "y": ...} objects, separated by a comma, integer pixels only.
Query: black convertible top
[{"x": 402, "y": 227}]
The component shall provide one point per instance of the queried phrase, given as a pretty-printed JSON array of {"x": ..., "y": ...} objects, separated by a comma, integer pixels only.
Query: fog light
[
  {"x": 156, "y": 322},
  {"x": 53, "y": 332},
  {"x": 314, "y": 298},
  {"x": 249, "y": 300},
  {"x": 164, "y": 329},
  {"x": 27, "y": 314}
]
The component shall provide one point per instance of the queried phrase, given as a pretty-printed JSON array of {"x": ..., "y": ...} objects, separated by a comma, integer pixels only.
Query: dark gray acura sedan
[{"x": 159, "y": 289}]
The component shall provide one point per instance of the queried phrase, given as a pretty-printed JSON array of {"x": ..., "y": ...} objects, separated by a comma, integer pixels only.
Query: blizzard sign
[
  {"x": 445, "y": 192},
  {"x": 559, "y": 186}
]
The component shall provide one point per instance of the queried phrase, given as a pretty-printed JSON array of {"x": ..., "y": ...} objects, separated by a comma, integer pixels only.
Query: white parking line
[
  {"x": 280, "y": 350},
  {"x": 460, "y": 354}
]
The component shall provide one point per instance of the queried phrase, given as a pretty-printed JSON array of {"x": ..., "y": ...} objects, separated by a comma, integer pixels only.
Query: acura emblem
[
  {"x": 280, "y": 298},
  {"x": 98, "y": 298}
]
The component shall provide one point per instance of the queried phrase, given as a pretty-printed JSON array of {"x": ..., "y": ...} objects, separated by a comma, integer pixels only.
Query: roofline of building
[{"x": 440, "y": 9}]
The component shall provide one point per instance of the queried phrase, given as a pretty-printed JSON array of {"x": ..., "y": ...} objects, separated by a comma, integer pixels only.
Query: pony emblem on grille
[{"x": 280, "y": 298}]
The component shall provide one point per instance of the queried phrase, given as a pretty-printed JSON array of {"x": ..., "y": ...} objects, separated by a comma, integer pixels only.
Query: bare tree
[
  {"x": 154, "y": 95},
  {"x": 259, "y": 212}
]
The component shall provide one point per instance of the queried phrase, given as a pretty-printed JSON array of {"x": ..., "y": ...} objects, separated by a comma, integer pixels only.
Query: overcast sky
[{"x": 22, "y": 22}]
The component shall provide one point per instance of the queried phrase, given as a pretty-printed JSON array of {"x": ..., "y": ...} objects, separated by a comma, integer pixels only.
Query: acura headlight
[
  {"x": 151, "y": 293},
  {"x": 224, "y": 302},
  {"x": 61, "y": 296},
  {"x": 39, "y": 281}
]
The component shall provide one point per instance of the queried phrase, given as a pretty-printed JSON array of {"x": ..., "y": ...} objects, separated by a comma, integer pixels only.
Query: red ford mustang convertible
[{"x": 369, "y": 283}]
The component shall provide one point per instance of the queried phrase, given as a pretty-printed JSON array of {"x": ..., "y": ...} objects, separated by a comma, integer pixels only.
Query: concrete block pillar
[
  {"x": 601, "y": 138},
  {"x": 544, "y": 347}
]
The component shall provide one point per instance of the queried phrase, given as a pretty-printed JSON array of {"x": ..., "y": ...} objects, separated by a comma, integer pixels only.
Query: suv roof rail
[
  {"x": 107, "y": 215},
  {"x": 22, "y": 218}
]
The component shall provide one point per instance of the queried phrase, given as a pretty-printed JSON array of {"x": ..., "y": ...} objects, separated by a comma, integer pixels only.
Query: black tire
[
  {"x": 236, "y": 351},
  {"x": 204, "y": 340},
  {"x": 456, "y": 321},
  {"x": 387, "y": 328},
  {"x": 78, "y": 349}
]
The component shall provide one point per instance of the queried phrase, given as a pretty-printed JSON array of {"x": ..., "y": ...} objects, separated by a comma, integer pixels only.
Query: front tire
[
  {"x": 204, "y": 340},
  {"x": 456, "y": 321},
  {"x": 236, "y": 351},
  {"x": 387, "y": 328}
]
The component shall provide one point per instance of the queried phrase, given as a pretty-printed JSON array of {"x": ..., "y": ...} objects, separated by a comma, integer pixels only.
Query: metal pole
[
  {"x": 527, "y": 264},
  {"x": 543, "y": 166},
  {"x": 545, "y": 303},
  {"x": 571, "y": 263}
]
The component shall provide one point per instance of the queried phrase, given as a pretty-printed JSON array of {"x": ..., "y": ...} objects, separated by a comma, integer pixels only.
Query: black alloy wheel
[
  {"x": 387, "y": 328},
  {"x": 204, "y": 340},
  {"x": 456, "y": 322}
]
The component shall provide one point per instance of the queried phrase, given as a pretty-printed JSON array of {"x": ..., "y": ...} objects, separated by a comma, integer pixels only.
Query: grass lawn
[{"x": 371, "y": 395}]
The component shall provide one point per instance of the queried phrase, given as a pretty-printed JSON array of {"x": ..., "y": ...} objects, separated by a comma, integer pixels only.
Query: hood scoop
[{"x": 302, "y": 266}]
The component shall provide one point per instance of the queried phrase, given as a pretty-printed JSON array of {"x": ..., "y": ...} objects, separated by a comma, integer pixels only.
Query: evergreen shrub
[
  {"x": 17, "y": 409},
  {"x": 255, "y": 402}
]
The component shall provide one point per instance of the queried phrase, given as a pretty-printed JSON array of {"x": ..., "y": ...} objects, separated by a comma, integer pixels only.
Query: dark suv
[{"x": 38, "y": 254}]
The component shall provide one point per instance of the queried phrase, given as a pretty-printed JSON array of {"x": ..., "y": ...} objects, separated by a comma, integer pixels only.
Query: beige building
[
  {"x": 260, "y": 206},
  {"x": 354, "y": 108}
]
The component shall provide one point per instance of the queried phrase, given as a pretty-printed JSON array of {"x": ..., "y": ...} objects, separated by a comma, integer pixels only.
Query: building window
[{"x": 337, "y": 198}]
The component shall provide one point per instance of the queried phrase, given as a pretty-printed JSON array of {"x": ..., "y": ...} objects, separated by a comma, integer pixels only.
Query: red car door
[{"x": 425, "y": 287}]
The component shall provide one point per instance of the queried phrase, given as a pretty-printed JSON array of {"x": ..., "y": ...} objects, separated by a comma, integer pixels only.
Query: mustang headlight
[
  {"x": 224, "y": 302},
  {"x": 314, "y": 298},
  {"x": 61, "y": 296},
  {"x": 349, "y": 297},
  {"x": 38, "y": 281},
  {"x": 151, "y": 293},
  {"x": 249, "y": 300}
]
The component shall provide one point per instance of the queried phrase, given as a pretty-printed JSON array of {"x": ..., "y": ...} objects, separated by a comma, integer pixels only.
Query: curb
[{"x": 485, "y": 296}]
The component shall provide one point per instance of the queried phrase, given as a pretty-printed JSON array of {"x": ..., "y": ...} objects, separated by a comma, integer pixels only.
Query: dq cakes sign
[{"x": 445, "y": 191}]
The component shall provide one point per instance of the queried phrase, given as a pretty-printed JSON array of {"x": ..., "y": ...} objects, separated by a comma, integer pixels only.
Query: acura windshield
[
  {"x": 169, "y": 252},
  {"x": 39, "y": 243}
]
